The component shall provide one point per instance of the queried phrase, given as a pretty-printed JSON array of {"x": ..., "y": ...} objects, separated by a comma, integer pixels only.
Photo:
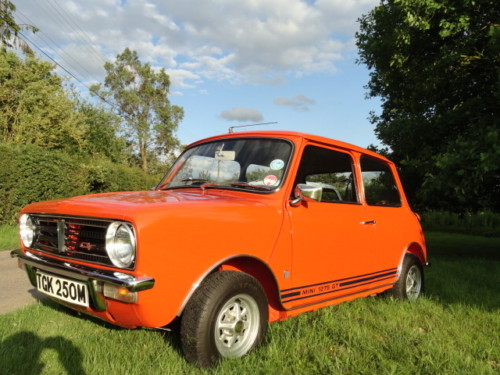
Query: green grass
[
  {"x": 454, "y": 329},
  {"x": 9, "y": 238}
]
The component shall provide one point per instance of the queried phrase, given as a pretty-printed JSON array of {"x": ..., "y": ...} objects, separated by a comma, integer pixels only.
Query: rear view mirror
[{"x": 225, "y": 155}]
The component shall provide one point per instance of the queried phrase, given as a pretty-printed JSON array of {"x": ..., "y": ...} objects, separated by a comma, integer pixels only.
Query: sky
[{"x": 231, "y": 62}]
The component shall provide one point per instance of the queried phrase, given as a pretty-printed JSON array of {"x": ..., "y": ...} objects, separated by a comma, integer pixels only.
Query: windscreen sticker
[
  {"x": 277, "y": 164},
  {"x": 270, "y": 180}
]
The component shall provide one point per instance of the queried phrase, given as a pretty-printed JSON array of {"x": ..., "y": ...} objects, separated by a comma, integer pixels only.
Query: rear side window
[
  {"x": 379, "y": 183},
  {"x": 332, "y": 171}
]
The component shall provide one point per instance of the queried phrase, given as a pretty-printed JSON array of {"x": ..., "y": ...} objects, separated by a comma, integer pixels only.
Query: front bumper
[{"x": 94, "y": 278}]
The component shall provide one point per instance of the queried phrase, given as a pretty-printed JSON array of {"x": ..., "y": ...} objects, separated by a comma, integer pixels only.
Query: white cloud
[
  {"x": 179, "y": 77},
  {"x": 242, "y": 114},
  {"x": 259, "y": 41},
  {"x": 299, "y": 102}
]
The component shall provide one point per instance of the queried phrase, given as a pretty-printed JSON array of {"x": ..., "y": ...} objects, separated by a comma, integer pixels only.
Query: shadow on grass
[
  {"x": 453, "y": 245},
  {"x": 472, "y": 282},
  {"x": 48, "y": 302},
  {"x": 170, "y": 334},
  {"x": 21, "y": 353},
  {"x": 465, "y": 270}
]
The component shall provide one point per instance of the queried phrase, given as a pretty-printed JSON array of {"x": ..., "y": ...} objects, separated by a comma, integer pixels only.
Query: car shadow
[
  {"x": 21, "y": 354},
  {"x": 48, "y": 302},
  {"x": 170, "y": 333}
]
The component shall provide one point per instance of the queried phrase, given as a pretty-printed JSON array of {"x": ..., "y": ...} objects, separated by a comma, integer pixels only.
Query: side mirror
[{"x": 306, "y": 193}]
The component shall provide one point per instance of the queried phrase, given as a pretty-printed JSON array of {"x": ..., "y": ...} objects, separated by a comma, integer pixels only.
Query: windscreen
[{"x": 255, "y": 164}]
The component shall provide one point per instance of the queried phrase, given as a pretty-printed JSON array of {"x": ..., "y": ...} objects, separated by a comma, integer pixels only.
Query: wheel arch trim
[
  {"x": 249, "y": 264},
  {"x": 415, "y": 249},
  {"x": 418, "y": 250}
]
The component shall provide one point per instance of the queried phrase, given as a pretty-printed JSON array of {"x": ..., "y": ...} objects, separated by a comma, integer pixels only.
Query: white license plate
[{"x": 67, "y": 290}]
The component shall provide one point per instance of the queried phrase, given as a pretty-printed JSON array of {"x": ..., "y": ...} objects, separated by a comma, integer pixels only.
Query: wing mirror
[{"x": 306, "y": 193}]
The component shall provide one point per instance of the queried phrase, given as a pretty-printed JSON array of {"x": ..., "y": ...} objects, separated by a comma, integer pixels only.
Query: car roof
[{"x": 291, "y": 134}]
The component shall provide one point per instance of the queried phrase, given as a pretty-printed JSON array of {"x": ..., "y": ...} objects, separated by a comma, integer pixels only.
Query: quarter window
[{"x": 379, "y": 183}]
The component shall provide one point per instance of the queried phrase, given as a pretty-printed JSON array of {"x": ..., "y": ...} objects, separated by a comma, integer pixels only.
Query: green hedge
[
  {"x": 30, "y": 174},
  {"x": 481, "y": 223}
]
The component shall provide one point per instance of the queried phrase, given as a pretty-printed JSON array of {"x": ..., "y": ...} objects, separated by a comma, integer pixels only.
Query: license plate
[{"x": 75, "y": 292}]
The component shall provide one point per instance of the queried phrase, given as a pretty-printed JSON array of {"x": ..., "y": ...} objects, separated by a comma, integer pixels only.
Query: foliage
[
  {"x": 9, "y": 29},
  {"x": 100, "y": 138},
  {"x": 140, "y": 96},
  {"x": 31, "y": 174},
  {"x": 436, "y": 67},
  {"x": 449, "y": 331},
  {"x": 34, "y": 107},
  {"x": 482, "y": 223},
  {"x": 105, "y": 176},
  {"x": 37, "y": 164},
  {"x": 54, "y": 144}
]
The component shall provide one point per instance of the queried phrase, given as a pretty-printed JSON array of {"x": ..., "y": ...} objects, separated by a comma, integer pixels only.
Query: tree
[
  {"x": 34, "y": 107},
  {"x": 102, "y": 126},
  {"x": 436, "y": 65},
  {"x": 9, "y": 29},
  {"x": 140, "y": 97}
]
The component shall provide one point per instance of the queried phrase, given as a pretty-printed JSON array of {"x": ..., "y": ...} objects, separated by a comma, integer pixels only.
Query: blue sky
[{"x": 231, "y": 62}]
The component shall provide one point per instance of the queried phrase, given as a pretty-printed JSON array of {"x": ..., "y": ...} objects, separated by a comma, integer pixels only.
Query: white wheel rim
[
  {"x": 237, "y": 326},
  {"x": 413, "y": 283}
]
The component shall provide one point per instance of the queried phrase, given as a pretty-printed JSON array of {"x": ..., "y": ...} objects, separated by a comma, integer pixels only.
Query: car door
[
  {"x": 385, "y": 205},
  {"x": 333, "y": 239}
]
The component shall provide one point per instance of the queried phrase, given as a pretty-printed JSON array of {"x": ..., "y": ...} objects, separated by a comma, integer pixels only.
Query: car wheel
[
  {"x": 410, "y": 284},
  {"x": 225, "y": 318}
]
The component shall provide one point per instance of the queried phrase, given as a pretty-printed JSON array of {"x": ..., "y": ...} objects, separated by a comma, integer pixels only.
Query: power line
[
  {"x": 26, "y": 39},
  {"x": 74, "y": 26},
  {"x": 48, "y": 41},
  {"x": 68, "y": 63},
  {"x": 64, "y": 28}
]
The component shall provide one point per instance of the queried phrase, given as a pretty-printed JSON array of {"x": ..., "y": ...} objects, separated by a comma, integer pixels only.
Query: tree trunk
[{"x": 144, "y": 159}]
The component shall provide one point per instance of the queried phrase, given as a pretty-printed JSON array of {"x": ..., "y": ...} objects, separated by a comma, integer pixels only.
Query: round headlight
[
  {"x": 120, "y": 244},
  {"x": 27, "y": 230}
]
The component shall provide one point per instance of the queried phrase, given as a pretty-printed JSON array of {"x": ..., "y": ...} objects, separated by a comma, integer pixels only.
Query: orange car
[{"x": 246, "y": 228}]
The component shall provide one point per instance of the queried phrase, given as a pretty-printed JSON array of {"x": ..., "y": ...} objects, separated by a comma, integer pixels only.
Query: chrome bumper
[{"x": 95, "y": 278}]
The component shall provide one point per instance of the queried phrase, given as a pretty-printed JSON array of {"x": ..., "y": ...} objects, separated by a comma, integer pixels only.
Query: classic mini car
[{"x": 246, "y": 228}]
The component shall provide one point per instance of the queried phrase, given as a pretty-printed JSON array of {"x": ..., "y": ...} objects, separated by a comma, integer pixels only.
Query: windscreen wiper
[
  {"x": 242, "y": 185},
  {"x": 249, "y": 186}
]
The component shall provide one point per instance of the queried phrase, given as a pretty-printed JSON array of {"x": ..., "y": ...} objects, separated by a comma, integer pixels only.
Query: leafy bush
[
  {"x": 482, "y": 223},
  {"x": 106, "y": 176},
  {"x": 31, "y": 174}
]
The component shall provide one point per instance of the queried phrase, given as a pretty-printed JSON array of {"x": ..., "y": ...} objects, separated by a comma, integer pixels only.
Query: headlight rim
[
  {"x": 26, "y": 223},
  {"x": 111, "y": 245}
]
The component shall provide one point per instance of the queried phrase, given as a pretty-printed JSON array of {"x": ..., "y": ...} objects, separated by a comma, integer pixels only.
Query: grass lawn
[
  {"x": 9, "y": 238},
  {"x": 454, "y": 329}
]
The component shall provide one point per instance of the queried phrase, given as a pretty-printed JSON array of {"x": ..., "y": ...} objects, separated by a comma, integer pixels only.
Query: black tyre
[
  {"x": 225, "y": 318},
  {"x": 410, "y": 284}
]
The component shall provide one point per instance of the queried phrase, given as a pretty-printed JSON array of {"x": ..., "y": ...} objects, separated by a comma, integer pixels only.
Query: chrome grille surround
[{"x": 78, "y": 238}]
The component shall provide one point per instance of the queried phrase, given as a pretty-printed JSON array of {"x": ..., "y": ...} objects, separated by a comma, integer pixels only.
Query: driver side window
[{"x": 331, "y": 171}]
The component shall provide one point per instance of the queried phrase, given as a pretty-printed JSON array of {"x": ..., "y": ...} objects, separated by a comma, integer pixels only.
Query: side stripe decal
[{"x": 334, "y": 286}]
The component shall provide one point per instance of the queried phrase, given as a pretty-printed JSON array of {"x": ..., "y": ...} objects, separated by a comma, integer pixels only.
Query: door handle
[{"x": 369, "y": 222}]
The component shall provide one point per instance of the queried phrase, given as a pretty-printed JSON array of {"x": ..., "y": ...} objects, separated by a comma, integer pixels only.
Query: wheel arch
[
  {"x": 417, "y": 250},
  {"x": 250, "y": 265}
]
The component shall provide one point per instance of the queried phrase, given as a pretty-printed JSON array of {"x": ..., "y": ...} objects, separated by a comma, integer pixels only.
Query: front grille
[{"x": 75, "y": 238}]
